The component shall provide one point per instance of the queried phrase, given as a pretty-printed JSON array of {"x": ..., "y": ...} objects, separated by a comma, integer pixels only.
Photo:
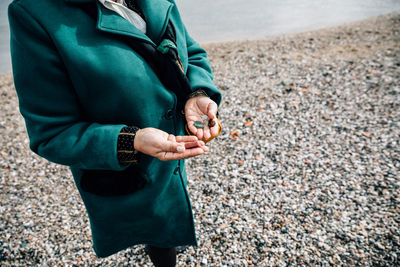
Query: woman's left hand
[{"x": 195, "y": 109}]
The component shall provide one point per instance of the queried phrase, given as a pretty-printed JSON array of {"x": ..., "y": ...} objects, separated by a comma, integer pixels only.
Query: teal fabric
[{"x": 79, "y": 83}]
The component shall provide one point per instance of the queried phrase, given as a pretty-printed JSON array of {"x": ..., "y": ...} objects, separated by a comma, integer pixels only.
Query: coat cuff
[
  {"x": 125, "y": 146},
  {"x": 198, "y": 92}
]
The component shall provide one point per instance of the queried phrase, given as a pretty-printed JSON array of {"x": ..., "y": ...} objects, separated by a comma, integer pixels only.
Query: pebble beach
[{"x": 306, "y": 171}]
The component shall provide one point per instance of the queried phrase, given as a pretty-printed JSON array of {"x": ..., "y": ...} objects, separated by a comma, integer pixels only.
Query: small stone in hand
[
  {"x": 211, "y": 123},
  {"x": 198, "y": 124},
  {"x": 192, "y": 145}
]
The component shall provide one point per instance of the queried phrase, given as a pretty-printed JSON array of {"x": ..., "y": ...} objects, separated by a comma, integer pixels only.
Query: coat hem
[{"x": 150, "y": 243}]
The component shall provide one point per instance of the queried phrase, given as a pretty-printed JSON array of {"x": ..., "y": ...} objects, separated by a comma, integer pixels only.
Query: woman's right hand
[{"x": 164, "y": 146}]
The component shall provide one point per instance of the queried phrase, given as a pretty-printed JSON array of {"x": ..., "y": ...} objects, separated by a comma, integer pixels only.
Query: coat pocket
[{"x": 113, "y": 183}]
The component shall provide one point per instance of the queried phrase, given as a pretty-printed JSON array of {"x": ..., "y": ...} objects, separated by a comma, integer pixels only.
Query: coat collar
[{"x": 156, "y": 14}]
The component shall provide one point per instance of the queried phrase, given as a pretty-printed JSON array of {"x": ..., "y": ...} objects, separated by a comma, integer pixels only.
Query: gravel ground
[{"x": 305, "y": 173}]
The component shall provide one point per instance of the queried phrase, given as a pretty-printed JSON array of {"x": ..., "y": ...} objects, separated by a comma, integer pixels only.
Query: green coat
[{"x": 79, "y": 83}]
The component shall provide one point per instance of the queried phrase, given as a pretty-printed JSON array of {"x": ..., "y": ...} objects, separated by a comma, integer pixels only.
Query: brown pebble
[
  {"x": 211, "y": 123},
  {"x": 191, "y": 145}
]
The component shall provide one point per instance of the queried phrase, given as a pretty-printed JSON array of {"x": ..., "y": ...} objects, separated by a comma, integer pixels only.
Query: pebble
[
  {"x": 211, "y": 123},
  {"x": 198, "y": 124},
  {"x": 304, "y": 173}
]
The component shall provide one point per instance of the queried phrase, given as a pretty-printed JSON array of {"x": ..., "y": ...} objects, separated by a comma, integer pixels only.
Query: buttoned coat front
[{"x": 79, "y": 82}]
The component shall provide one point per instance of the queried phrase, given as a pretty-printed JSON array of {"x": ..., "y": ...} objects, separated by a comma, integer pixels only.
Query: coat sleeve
[
  {"x": 199, "y": 71},
  {"x": 54, "y": 120}
]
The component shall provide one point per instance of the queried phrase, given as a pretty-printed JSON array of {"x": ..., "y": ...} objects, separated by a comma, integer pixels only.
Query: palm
[
  {"x": 164, "y": 146},
  {"x": 195, "y": 109}
]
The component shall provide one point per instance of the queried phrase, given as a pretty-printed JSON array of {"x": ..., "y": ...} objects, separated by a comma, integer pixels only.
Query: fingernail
[{"x": 180, "y": 148}]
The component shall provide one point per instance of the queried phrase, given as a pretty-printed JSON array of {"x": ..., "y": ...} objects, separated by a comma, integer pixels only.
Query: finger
[
  {"x": 200, "y": 134},
  {"x": 206, "y": 133},
  {"x": 172, "y": 146},
  {"x": 171, "y": 137},
  {"x": 195, "y": 152},
  {"x": 187, "y": 154},
  {"x": 214, "y": 130},
  {"x": 212, "y": 110},
  {"x": 205, "y": 148},
  {"x": 192, "y": 128},
  {"x": 186, "y": 138},
  {"x": 192, "y": 145},
  {"x": 180, "y": 149}
]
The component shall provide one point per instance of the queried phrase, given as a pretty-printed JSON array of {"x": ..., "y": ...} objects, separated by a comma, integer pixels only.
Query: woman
[{"x": 106, "y": 87}]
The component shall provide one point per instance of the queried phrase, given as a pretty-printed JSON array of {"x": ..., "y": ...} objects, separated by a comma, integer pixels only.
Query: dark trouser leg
[{"x": 162, "y": 257}]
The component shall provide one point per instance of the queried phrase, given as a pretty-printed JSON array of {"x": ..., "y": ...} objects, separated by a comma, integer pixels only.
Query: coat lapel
[
  {"x": 156, "y": 13},
  {"x": 109, "y": 21}
]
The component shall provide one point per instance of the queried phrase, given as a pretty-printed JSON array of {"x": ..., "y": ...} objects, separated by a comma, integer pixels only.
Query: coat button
[
  {"x": 176, "y": 171},
  {"x": 170, "y": 114}
]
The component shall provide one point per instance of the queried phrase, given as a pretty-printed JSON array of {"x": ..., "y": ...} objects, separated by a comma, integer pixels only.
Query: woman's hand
[
  {"x": 164, "y": 146},
  {"x": 195, "y": 109}
]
